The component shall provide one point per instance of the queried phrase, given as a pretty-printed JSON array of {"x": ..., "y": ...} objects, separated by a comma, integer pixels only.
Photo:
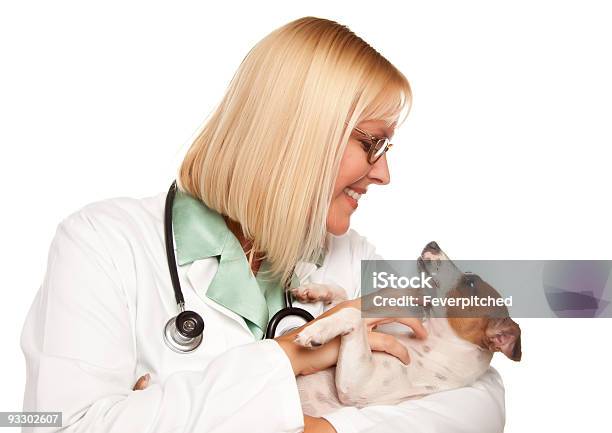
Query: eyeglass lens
[{"x": 379, "y": 149}]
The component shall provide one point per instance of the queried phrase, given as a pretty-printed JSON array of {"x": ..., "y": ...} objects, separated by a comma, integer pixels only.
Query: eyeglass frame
[{"x": 374, "y": 141}]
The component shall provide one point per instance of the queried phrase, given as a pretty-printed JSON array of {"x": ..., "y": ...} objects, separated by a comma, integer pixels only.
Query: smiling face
[{"x": 356, "y": 174}]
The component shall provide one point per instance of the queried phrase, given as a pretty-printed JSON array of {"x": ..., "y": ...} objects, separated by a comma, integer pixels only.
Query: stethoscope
[{"x": 183, "y": 333}]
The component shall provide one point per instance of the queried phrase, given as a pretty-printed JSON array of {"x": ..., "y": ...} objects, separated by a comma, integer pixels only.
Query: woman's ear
[{"x": 504, "y": 335}]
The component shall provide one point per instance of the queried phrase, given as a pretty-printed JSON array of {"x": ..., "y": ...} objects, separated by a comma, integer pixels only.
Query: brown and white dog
[{"x": 457, "y": 350}]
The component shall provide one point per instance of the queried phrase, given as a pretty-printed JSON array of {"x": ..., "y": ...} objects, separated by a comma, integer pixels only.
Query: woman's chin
[{"x": 339, "y": 227}]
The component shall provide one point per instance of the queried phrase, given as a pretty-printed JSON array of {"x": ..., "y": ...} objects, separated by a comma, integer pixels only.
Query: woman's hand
[
  {"x": 317, "y": 425},
  {"x": 307, "y": 361},
  {"x": 142, "y": 382}
]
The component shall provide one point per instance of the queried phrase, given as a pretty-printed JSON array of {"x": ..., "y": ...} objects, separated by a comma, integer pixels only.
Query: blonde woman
[{"x": 265, "y": 195}]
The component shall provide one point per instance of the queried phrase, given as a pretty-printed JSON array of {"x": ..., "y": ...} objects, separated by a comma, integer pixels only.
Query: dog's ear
[{"x": 504, "y": 335}]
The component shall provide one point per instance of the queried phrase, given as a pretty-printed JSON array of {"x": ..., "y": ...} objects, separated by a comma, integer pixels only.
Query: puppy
[{"x": 457, "y": 350}]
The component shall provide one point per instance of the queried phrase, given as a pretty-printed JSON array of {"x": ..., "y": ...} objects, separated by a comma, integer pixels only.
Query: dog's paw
[
  {"x": 313, "y": 292},
  {"x": 308, "y": 339},
  {"x": 323, "y": 330},
  {"x": 320, "y": 332}
]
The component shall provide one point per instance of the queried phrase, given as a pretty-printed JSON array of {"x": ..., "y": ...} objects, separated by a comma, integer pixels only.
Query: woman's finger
[
  {"x": 415, "y": 324},
  {"x": 412, "y": 322},
  {"x": 142, "y": 382},
  {"x": 387, "y": 343}
]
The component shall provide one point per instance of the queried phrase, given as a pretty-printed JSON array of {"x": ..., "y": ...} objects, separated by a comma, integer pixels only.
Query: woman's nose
[{"x": 379, "y": 171}]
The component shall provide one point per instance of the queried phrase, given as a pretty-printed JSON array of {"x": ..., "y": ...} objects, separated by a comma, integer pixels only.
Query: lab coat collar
[{"x": 201, "y": 232}]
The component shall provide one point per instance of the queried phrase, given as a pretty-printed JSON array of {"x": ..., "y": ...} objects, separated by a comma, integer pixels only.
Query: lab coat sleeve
[
  {"x": 81, "y": 359},
  {"x": 479, "y": 408}
]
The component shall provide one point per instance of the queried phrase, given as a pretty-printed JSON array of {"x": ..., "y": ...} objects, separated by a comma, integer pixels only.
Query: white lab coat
[{"x": 96, "y": 325}]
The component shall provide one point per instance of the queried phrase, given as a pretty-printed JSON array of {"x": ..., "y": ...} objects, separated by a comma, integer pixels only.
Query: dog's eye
[{"x": 470, "y": 280}]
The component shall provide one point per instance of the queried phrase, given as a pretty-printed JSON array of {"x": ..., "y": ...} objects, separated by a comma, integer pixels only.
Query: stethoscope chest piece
[{"x": 183, "y": 333}]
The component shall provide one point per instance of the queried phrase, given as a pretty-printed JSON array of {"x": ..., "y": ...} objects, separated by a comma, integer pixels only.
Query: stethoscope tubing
[{"x": 176, "y": 284}]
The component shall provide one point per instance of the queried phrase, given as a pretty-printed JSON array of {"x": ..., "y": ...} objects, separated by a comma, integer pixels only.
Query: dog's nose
[{"x": 432, "y": 246}]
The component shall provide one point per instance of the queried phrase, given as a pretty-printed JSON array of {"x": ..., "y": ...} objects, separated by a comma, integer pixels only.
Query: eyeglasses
[{"x": 375, "y": 147}]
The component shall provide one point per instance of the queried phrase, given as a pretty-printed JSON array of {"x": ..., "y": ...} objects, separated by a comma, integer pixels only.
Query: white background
[{"x": 504, "y": 155}]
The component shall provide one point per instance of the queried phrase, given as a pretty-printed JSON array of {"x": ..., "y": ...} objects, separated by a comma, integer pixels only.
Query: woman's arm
[
  {"x": 311, "y": 424},
  {"x": 81, "y": 358}
]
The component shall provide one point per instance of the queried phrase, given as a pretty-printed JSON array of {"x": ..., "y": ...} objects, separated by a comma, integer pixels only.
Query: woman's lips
[
  {"x": 359, "y": 190},
  {"x": 351, "y": 201},
  {"x": 349, "y": 192}
]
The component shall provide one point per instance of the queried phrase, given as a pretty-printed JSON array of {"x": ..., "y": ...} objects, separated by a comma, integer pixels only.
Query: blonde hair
[{"x": 269, "y": 154}]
